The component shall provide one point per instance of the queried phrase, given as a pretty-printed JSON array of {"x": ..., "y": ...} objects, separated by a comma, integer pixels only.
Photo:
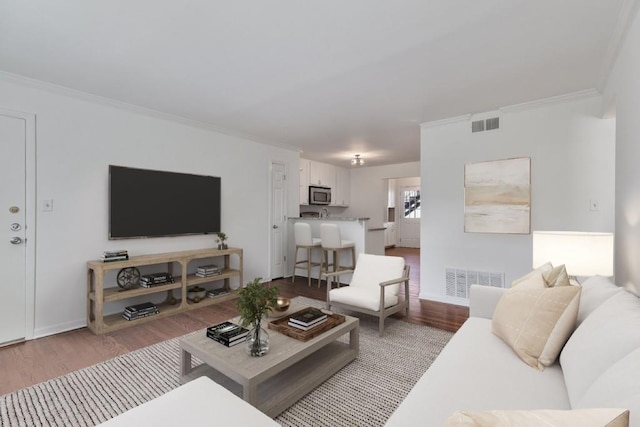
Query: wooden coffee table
[{"x": 275, "y": 381}]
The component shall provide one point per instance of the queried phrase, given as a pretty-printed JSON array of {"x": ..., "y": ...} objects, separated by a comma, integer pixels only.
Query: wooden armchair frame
[{"x": 382, "y": 313}]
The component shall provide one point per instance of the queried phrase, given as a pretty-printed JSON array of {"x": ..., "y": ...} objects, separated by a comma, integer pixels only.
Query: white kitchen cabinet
[
  {"x": 322, "y": 174},
  {"x": 341, "y": 195},
  {"x": 304, "y": 181},
  {"x": 390, "y": 238}
]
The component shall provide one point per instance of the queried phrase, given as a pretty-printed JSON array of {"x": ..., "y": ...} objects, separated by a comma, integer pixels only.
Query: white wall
[
  {"x": 369, "y": 190},
  {"x": 76, "y": 141},
  {"x": 572, "y": 161},
  {"x": 623, "y": 89}
]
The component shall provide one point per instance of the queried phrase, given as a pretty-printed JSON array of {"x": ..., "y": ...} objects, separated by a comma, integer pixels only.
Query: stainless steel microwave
[{"x": 319, "y": 195}]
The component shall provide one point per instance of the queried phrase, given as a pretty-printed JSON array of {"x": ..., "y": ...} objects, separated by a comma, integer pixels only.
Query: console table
[{"x": 99, "y": 293}]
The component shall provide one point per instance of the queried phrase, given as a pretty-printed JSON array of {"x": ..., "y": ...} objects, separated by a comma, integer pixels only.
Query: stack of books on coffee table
[
  {"x": 227, "y": 333},
  {"x": 139, "y": 311},
  {"x": 307, "y": 319}
]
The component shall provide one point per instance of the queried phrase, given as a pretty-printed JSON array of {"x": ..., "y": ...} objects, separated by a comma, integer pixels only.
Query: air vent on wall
[
  {"x": 488, "y": 124},
  {"x": 459, "y": 281},
  {"x": 477, "y": 126}
]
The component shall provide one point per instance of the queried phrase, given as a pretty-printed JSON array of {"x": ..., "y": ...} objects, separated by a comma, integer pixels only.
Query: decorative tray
[{"x": 282, "y": 325}]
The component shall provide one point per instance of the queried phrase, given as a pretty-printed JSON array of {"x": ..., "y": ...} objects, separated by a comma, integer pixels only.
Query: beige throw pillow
[
  {"x": 596, "y": 417},
  {"x": 556, "y": 277},
  {"x": 536, "y": 321},
  {"x": 536, "y": 272}
]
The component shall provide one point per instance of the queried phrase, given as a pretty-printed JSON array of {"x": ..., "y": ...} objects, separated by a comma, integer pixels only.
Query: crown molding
[
  {"x": 444, "y": 122},
  {"x": 97, "y": 99},
  {"x": 568, "y": 97},
  {"x": 628, "y": 11}
]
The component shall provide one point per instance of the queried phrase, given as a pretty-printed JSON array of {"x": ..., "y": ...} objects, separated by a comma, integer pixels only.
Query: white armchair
[{"x": 374, "y": 287}]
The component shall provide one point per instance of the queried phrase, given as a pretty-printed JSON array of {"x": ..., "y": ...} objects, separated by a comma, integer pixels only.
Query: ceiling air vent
[
  {"x": 493, "y": 123},
  {"x": 477, "y": 126}
]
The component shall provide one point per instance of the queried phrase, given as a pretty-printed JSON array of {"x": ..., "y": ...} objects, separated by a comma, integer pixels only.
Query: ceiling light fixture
[{"x": 357, "y": 161}]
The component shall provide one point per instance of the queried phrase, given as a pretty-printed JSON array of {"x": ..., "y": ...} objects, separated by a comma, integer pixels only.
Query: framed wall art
[{"x": 497, "y": 196}]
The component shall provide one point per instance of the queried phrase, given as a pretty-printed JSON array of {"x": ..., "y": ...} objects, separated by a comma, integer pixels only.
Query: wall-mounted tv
[{"x": 151, "y": 203}]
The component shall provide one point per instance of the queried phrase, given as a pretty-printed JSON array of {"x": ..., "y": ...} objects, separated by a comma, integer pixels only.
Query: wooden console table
[{"x": 98, "y": 294}]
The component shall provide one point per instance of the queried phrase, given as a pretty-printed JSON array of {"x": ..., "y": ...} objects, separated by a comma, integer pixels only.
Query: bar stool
[
  {"x": 332, "y": 242},
  {"x": 302, "y": 233}
]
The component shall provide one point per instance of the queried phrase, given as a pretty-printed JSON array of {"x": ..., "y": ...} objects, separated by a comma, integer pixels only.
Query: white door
[
  {"x": 408, "y": 232},
  {"x": 13, "y": 289},
  {"x": 278, "y": 219}
]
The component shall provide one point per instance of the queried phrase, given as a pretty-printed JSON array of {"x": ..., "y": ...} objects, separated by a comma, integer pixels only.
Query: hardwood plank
[{"x": 32, "y": 362}]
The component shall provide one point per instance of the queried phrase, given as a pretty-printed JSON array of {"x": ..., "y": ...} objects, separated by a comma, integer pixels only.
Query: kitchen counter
[
  {"x": 367, "y": 237},
  {"x": 330, "y": 218}
]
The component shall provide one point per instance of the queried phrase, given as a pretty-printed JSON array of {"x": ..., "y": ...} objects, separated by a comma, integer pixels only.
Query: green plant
[
  {"x": 254, "y": 302},
  {"x": 222, "y": 236}
]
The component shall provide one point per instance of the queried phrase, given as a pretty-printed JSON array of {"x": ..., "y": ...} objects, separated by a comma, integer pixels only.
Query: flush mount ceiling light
[{"x": 357, "y": 161}]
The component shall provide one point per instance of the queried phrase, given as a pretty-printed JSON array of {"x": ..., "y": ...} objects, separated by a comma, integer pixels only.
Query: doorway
[{"x": 17, "y": 219}]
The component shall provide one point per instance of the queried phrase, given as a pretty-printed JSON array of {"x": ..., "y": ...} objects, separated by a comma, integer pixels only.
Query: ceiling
[{"x": 333, "y": 78}]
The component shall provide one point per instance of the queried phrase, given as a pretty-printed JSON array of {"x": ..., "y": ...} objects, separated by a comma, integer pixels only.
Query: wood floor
[{"x": 32, "y": 362}]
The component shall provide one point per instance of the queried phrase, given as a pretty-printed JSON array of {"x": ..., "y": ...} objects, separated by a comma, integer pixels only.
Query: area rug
[{"x": 364, "y": 393}]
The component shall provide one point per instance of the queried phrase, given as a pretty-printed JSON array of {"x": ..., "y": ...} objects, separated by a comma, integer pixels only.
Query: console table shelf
[{"x": 98, "y": 294}]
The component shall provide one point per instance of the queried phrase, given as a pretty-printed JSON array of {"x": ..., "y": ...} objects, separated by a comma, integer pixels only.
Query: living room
[{"x": 582, "y": 143}]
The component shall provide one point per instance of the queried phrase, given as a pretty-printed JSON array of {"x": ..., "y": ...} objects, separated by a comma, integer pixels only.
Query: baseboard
[
  {"x": 447, "y": 300},
  {"x": 59, "y": 328}
]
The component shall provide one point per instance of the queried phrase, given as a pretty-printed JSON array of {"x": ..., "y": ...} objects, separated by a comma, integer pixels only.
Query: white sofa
[{"x": 599, "y": 367}]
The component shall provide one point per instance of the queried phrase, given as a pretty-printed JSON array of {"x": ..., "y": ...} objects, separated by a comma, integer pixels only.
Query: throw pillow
[
  {"x": 536, "y": 321},
  {"x": 557, "y": 276},
  {"x": 596, "y": 417},
  {"x": 539, "y": 270}
]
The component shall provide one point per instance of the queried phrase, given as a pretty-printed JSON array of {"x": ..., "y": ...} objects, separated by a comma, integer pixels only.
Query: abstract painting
[{"x": 497, "y": 196}]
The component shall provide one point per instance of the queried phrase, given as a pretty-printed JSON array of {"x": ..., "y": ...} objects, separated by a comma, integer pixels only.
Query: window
[{"x": 411, "y": 203}]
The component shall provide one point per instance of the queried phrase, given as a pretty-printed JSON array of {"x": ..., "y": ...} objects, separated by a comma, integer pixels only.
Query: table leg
[
  {"x": 250, "y": 393},
  {"x": 354, "y": 338}
]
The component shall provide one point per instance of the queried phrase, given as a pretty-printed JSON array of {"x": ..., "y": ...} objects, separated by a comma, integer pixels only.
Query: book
[
  {"x": 227, "y": 331},
  {"x": 306, "y": 328},
  {"x": 198, "y": 274},
  {"x": 225, "y": 342},
  {"x": 115, "y": 258},
  {"x": 319, "y": 320},
  {"x": 140, "y": 307},
  {"x": 156, "y": 278},
  {"x": 115, "y": 253},
  {"x": 307, "y": 316},
  {"x": 143, "y": 311},
  {"x": 128, "y": 316},
  {"x": 217, "y": 292}
]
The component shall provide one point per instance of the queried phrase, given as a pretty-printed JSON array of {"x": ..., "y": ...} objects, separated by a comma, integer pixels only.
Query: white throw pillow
[
  {"x": 544, "y": 267},
  {"x": 607, "y": 335},
  {"x": 595, "y": 291}
]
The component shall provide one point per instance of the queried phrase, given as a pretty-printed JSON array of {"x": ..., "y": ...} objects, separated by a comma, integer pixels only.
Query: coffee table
[{"x": 275, "y": 381}]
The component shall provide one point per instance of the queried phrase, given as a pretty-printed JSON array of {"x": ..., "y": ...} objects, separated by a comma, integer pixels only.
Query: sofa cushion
[
  {"x": 477, "y": 371},
  {"x": 362, "y": 297},
  {"x": 595, "y": 291},
  {"x": 607, "y": 417},
  {"x": 371, "y": 270},
  {"x": 618, "y": 386},
  {"x": 536, "y": 321},
  {"x": 607, "y": 335}
]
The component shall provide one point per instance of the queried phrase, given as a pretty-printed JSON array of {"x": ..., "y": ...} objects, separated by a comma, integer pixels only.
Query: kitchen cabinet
[
  {"x": 342, "y": 192},
  {"x": 322, "y": 174},
  {"x": 390, "y": 237},
  {"x": 304, "y": 181}
]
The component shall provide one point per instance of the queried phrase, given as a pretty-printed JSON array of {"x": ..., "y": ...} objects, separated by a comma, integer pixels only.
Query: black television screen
[{"x": 150, "y": 203}]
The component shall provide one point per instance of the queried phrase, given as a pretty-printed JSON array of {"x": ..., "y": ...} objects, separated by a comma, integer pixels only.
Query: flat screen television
[{"x": 151, "y": 203}]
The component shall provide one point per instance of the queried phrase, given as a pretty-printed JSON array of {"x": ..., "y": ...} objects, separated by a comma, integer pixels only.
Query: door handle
[
  {"x": 275, "y": 226},
  {"x": 15, "y": 240}
]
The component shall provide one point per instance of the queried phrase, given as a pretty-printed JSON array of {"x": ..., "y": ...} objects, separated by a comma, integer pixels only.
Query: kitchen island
[{"x": 368, "y": 239}]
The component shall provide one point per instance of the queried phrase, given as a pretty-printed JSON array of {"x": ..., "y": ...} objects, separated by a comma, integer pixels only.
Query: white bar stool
[
  {"x": 332, "y": 242},
  {"x": 302, "y": 233}
]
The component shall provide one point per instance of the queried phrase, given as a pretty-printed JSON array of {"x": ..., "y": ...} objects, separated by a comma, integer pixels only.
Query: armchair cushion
[
  {"x": 362, "y": 297},
  {"x": 371, "y": 270}
]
